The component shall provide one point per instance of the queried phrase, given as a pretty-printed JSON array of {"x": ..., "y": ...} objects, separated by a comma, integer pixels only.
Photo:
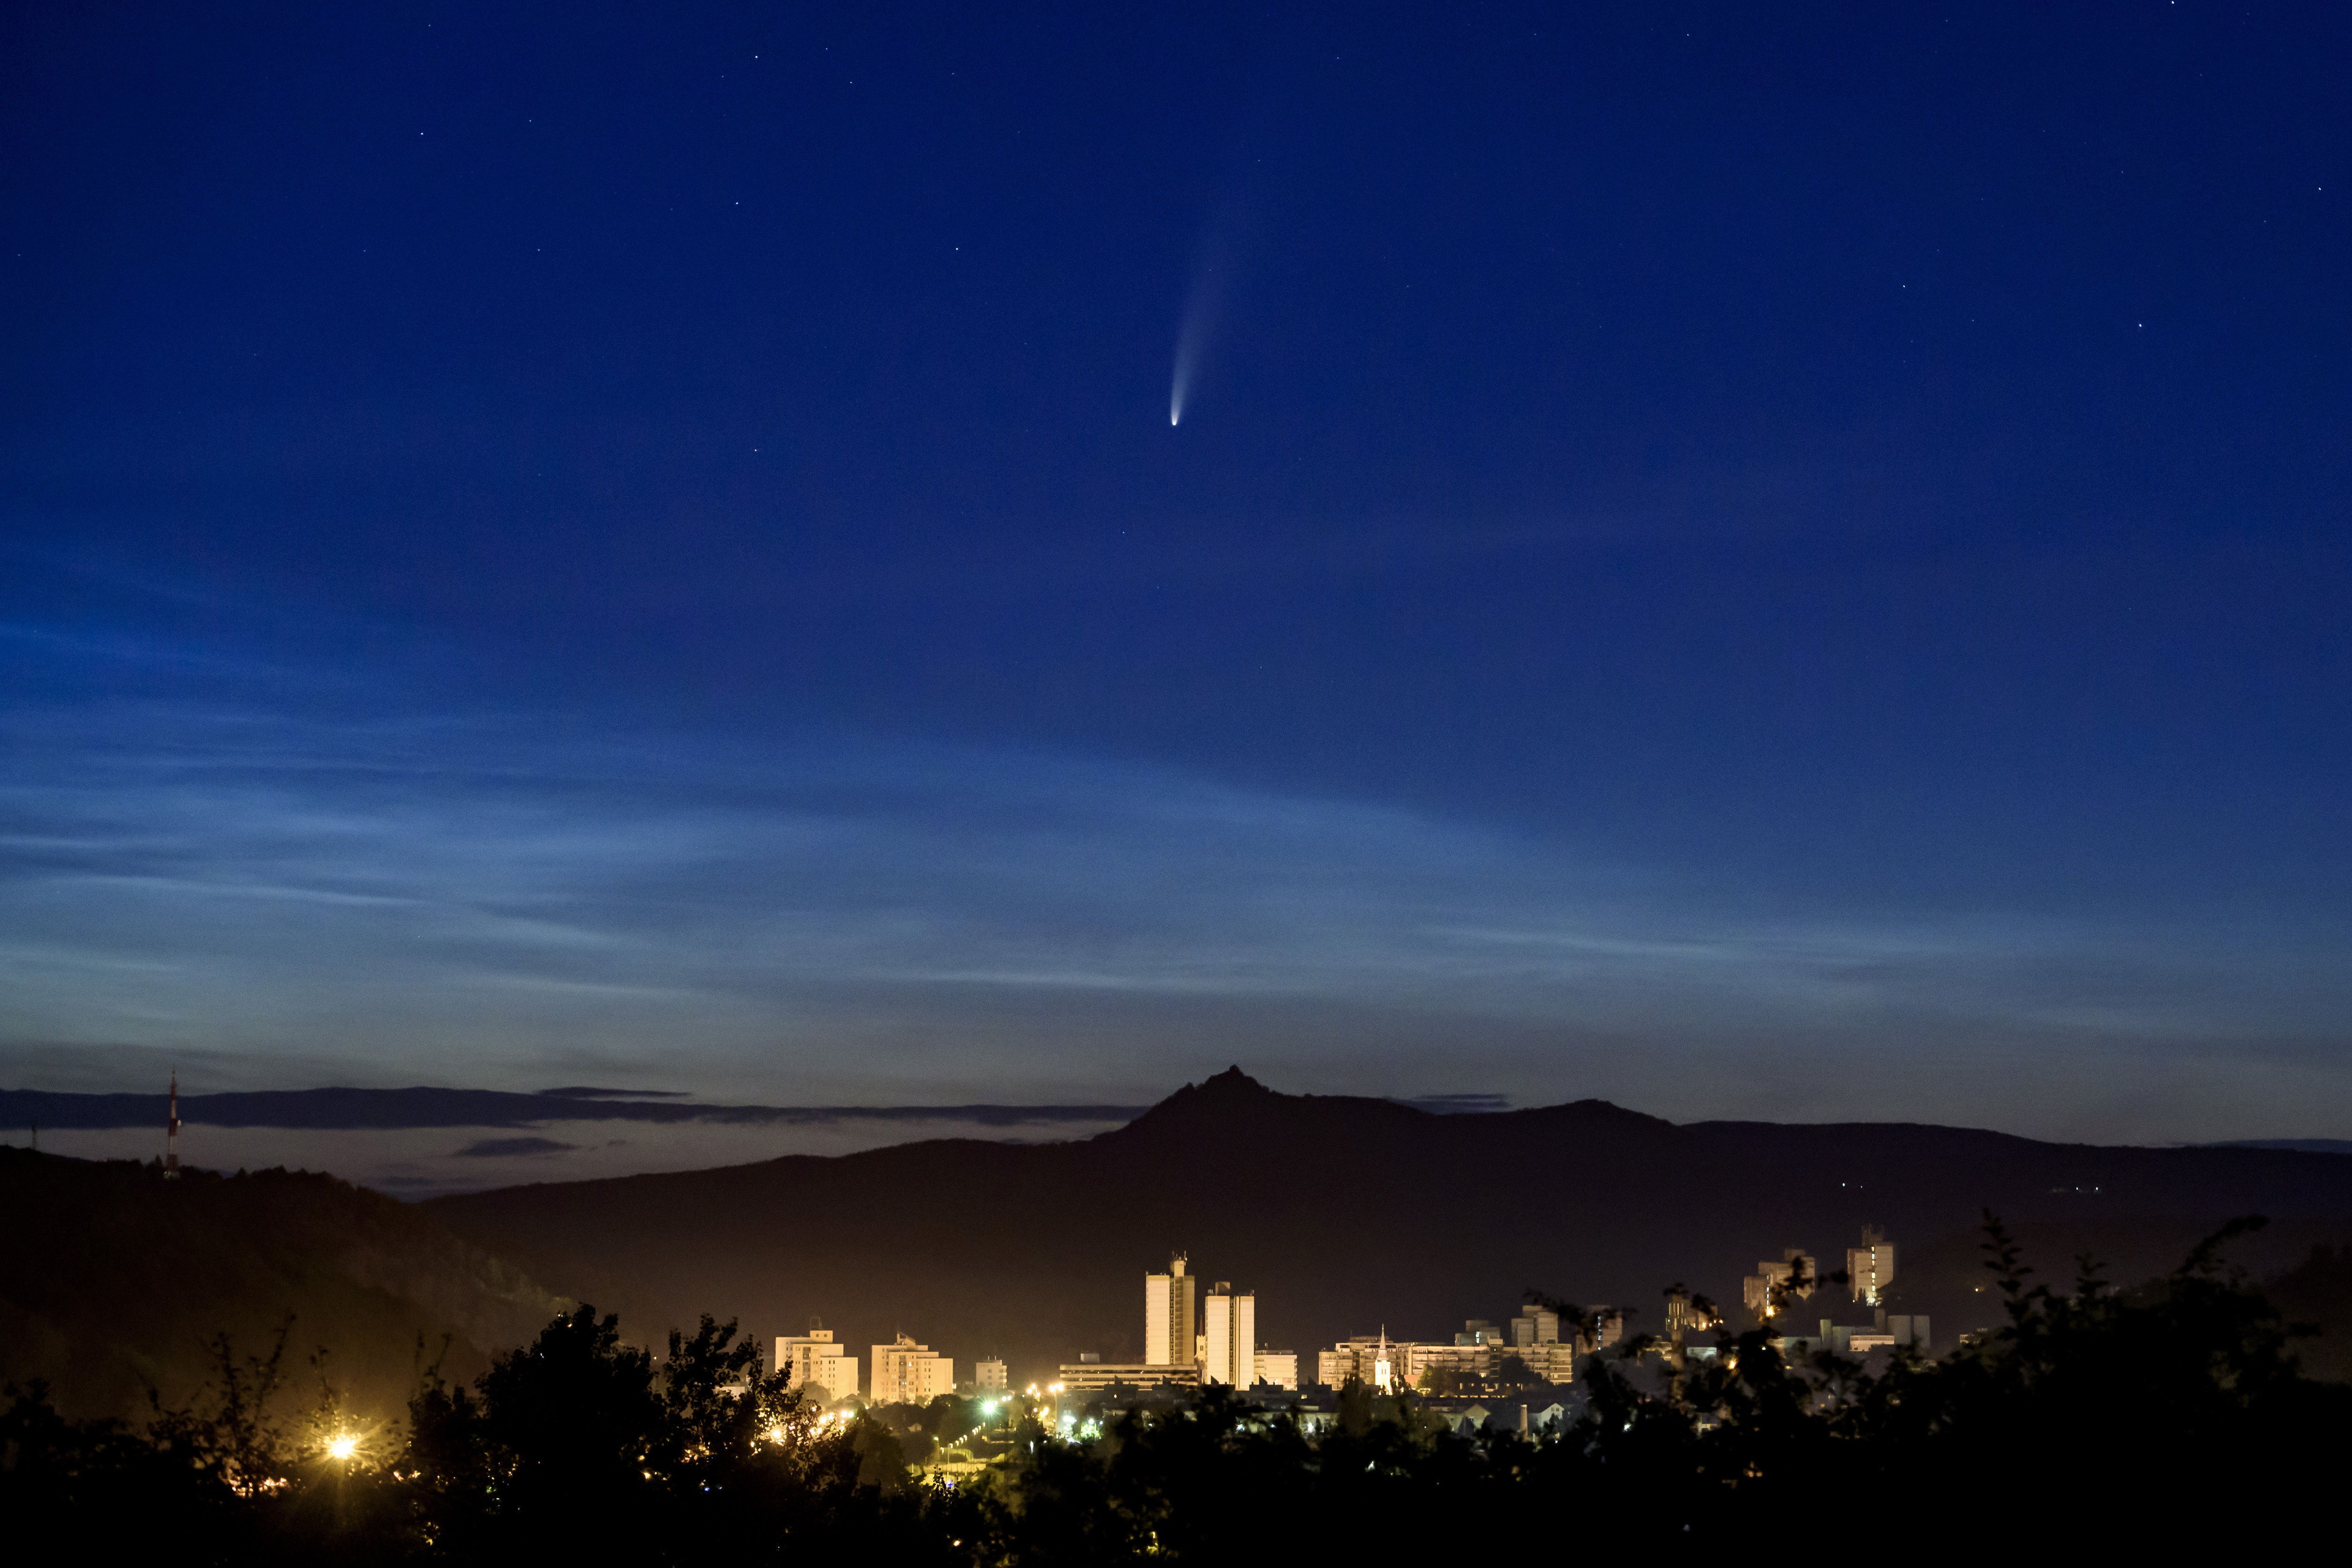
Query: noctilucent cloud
[{"x": 1770, "y": 561}]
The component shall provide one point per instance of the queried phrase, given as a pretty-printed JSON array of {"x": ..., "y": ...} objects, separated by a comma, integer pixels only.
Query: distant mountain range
[
  {"x": 378, "y": 1109},
  {"x": 1348, "y": 1216}
]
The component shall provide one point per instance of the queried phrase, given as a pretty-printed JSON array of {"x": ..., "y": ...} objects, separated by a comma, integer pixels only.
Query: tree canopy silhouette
[{"x": 2170, "y": 1414}]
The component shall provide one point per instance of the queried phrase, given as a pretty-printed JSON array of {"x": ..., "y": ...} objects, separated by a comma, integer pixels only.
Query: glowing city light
[{"x": 342, "y": 1445}]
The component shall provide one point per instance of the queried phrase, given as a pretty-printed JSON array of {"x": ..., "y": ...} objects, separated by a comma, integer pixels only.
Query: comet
[
  {"x": 1188, "y": 338},
  {"x": 1203, "y": 308}
]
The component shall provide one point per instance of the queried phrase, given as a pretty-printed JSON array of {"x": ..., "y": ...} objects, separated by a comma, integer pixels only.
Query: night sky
[{"x": 1773, "y": 562}]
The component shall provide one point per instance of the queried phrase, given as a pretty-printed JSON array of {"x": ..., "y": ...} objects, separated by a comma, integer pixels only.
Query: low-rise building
[
  {"x": 1375, "y": 1361},
  {"x": 1278, "y": 1368},
  {"x": 1091, "y": 1377},
  {"x": 1883, "y": 1332},
  {"x": 1426, "y": 1360},
  {"x": 1388, "y": 1365},
  {"x": 989, "y": 1377}
]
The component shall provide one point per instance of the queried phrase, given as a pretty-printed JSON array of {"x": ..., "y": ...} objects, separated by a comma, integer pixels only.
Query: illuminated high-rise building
[
  {"x": 1871, "y": 1266},
  {"x": 905, "y": 1373},
  {"x": 814, "y": 1361},
  {"x": 1229, "y": 1337},
  {"x": 1167, "y": 1333}
]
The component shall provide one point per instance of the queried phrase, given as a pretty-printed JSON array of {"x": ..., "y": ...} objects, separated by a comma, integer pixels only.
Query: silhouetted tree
[{"x": 2173, "y": 1415}]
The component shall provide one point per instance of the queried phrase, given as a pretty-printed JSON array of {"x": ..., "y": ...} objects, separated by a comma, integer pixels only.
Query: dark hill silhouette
[
  {"x": 112, "y": 1279},
  {"x": 1346, "y": 1214}
]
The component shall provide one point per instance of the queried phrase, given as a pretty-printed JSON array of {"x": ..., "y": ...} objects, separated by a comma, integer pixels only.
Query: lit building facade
[
  {"x": 1884, "y": 1333},
  {"x": 1229, "y": 1337},
  {"x": 905, "y": 1373},
  {"x": 1871, "y": 1266},
  {"x": 1278, "y": 1368},
  {"x": 1535, "y": 1340},
  {"x": 989, "y": 1377},
  {"x": 1767, "y": 1290},
  {"x": 1420, "y": 1360},
  {"x": 1553, "y": 1363},
  {"x": 1094, "y": 1376},
  {"x": 813, "y": 1361},
  {"x": 1169, "y": 1336},
  {"x": 1376, "y": 1361}
]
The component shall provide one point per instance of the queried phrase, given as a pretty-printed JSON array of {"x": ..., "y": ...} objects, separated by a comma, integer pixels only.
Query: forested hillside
[{"x": 112, "y": 1282}]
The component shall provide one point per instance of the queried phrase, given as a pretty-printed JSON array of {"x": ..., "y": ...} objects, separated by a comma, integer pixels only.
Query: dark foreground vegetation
[{"x": 2172, "y": 1413}]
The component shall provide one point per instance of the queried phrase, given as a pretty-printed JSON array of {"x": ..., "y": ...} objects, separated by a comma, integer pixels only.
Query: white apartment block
[
  {"x": 1278, "y": 1368},
  {"x": 905, "y": 1373},
  {"x": 814, "y": 1362},
  {"x": 989, "y": 1377}
]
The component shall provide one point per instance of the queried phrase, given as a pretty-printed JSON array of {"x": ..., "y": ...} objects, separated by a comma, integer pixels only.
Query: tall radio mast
[{"x": 172, "y": 1133}]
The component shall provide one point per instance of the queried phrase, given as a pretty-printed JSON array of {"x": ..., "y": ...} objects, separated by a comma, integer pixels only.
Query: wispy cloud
[{"x": 487, "y": 898}]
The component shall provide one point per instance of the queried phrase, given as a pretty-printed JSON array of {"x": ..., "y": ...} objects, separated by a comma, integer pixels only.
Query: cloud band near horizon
[{"x": 296, "y": 895}]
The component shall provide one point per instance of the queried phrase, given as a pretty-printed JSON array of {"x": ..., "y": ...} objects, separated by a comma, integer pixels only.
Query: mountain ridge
[{"x": 1346, "y": 1212}]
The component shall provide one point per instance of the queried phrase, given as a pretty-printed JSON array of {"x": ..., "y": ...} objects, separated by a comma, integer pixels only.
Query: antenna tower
[{"x": 172, "y": 1133}]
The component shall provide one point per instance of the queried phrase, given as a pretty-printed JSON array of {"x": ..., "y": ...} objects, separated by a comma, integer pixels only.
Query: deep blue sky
[{"x": 1770, "y": 560}]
